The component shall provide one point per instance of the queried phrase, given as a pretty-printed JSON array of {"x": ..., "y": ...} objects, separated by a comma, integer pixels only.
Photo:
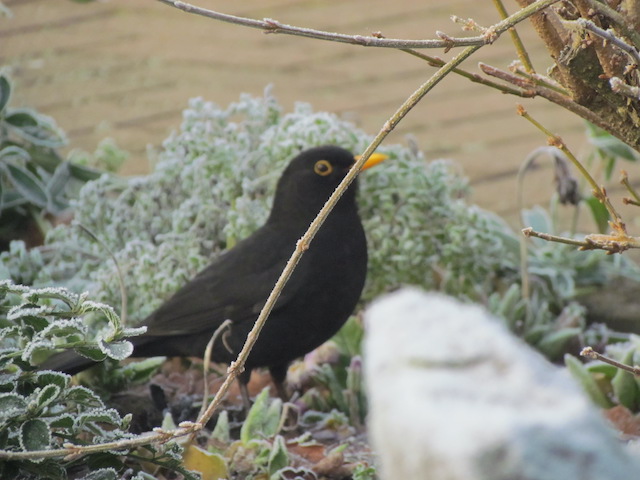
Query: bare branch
[
  {"x": 619, "y": 86},
  {"x": 624, "y": 24},
  {"x": 273, "y": 26},
  {"x": 515, "y": 38},
  {"x": 534, "y": 89},
  {"x": 599, "y": 192},
  {"x": 530, "y": 232},
  {"x": 610, "y": 37},
  {"x": 591, "y": 353},
  {"x": 624, "y": 180}
]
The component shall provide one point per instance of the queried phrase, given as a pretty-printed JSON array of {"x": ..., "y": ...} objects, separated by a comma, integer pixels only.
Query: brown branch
[
  {"x": 625, "y": 25},
  {"x": 554, "y": 36},
  {"x": 591, "y": 353},
  {"x": 269, "y": 25},
  {"x": 530, "y": 232},
  {"x": 550, "y": 94},
  {"x": 473, "y": 77},
  {"x": 609, "y": 243}
]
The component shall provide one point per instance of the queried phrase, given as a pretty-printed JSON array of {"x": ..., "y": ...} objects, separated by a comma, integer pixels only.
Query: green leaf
[
  {"x": 5, "y": 92},
  {"x": 60, "y": 178},
  {"x": 364, "y": 472},
  {"x": 35, "y": 435},
  {"x": 222, "y": 432},
  {"x": 8, "y": 379},
  {"x": 20, "y": 118},
  {"x": 599, "y": 213},
  {"x": 609, "y": 165},
  {"x": 92, "y": 352},
  {"x": 35, "y": 128},
  {"x": 279, "y": 455},
  {"x": 586, "y": 380},
  {"x": 141, "y": 371},
  {"x": 84, "y": 173},
  {"x": 47, "y": 395},
  {"x": 84, "y": 396},
  {"x": 553, "y": 344},
  {"x": 349, "y": 337},
  {"x": 100, "y": 460},
  {"x": 116, "y": 350},
  {"x": 538, "y": 219},
  {"x": 29, "y": 186},
  {"x": 624, "y": 385},
  {"x": 13, "y": 151},
  {"x": 61, "y": 421},
  {"x": 262, "y": 419},
  {"x": 609, "y": 371},
  {"x": 108, "y": 416},
  {"x": 12, "y": 404},
  {"x": 38, "y": 323},
  {"x": 57, "y": 185},
  {"x": 64, "y": 328}
]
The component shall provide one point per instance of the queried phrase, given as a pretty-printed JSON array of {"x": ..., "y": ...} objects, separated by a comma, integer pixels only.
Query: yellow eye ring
[{"x": 323, "y": 168}]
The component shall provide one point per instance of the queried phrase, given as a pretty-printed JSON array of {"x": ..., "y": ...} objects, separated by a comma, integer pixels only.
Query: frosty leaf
[
  {"x": 279, "y": 456},
  {"x": 12, "y": 404},
  {"x": 116, "y": 350},
  {"x": 102, "y": 415},
  {"x": 35, "y": 435},
  {"x": 133, "y": 331},
  {"x": 84, "y": 396},
  {"x": 92, "y": 352},
  {"x": 61, "y": 421},
  {"x": 47, "y": 395}
]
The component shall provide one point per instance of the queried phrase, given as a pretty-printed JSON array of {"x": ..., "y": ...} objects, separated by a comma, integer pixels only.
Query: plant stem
[
  {"x": 598, "y": 191},
  {"x": 591, "y": 353},
  {"x": 474, "y": 77},
  {"x": 515, "y": 38}
]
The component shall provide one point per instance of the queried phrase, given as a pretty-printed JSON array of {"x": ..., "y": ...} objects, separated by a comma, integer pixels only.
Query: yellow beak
[{"x": 373, "y": 160}]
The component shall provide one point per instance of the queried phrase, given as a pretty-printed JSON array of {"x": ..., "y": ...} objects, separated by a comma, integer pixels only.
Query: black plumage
[{"x": 321, "y": 294}]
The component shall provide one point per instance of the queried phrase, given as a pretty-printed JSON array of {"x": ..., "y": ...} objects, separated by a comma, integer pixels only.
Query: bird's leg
[
  {"x": 243, "y": 381},
  {"x": 279, "y": 375}
]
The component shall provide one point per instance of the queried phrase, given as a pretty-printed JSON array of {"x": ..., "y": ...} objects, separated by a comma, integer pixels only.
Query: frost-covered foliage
[
  {"x": 42, "y": 409},
  {"x": 213, "y": 184}
]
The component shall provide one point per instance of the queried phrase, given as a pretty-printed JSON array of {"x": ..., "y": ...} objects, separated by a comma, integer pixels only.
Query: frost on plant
[{"x": 213, "y": 183}]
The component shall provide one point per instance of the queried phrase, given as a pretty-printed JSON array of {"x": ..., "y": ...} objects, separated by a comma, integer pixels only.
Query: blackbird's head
[{"x": 310, "y": 179}]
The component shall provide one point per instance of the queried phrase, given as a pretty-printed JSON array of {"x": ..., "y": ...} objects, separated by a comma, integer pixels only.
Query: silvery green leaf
[
  {"x": 35, "y": 435},
  {"x": 116, "y": 350}
]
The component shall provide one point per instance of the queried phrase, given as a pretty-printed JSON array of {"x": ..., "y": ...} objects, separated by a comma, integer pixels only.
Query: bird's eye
[{"x": 323, "y": 168}]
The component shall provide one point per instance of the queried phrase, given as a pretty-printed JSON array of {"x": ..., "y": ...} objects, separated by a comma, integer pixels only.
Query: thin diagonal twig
[{"x": 515, "y": 38}]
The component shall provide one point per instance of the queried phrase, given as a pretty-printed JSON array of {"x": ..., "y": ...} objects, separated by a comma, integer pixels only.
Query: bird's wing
[{"x": 235, "y": 287}]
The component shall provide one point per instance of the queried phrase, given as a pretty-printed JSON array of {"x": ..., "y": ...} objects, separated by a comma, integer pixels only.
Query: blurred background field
[{"x": 125, "y": 70}]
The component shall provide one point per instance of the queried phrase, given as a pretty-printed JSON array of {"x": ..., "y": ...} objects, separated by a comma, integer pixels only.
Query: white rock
[{"x": 454, "y": 395}]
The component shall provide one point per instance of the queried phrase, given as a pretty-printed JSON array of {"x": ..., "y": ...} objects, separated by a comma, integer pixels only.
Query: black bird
[{"x": 315, "y": 303}]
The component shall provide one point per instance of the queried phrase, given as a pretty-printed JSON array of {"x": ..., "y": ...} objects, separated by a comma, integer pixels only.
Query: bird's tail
[{"x": 68, "y": 362}]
